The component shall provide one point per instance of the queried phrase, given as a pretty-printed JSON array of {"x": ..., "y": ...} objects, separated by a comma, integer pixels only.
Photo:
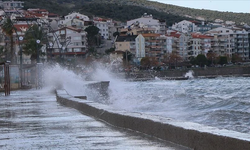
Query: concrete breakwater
[
  {"x": 191, "y": 135},
  {"x": 243, "y": 71}
]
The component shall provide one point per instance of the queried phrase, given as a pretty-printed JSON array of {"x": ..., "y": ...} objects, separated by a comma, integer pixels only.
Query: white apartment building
[
  {"x": 68, "y": 18},
  {"x": 180, "y": 44},
  {"x": 147, "y": 21},
  {"x": 241, "y": 38},
  {"x": 194, "y": 47},
  {"x": 11, "y": 4},
  {"x": 199, "y": 44},
  {"x": 169, "y": 43},
  {"x": 104, "y": 28},
  {"x": 140, "y": 47},
  {"x": 68, "y": 41},
  {"x": 184, "y": 27},
  {"x": 223, "y": 41}
]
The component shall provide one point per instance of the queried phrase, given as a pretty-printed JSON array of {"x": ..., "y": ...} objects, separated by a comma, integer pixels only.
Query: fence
[{"x": 12, "y": 77}]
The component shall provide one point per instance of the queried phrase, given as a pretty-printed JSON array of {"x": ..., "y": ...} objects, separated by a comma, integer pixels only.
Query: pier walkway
[{"x": 34, "y": 120}]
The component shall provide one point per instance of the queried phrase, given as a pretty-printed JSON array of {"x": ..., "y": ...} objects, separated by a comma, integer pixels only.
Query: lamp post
[
  {"x": 175, "y": 63},
  {"x": 50, "y": 50},
  {"x": 212, "y": 61},
  {"x": 21, "y": 61},
  {"x": 63, "y": 50},
  {"x": 37, "y": 51}
]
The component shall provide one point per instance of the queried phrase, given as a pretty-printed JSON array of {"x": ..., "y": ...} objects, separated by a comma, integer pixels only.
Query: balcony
[{"x": 222, "y": 40}]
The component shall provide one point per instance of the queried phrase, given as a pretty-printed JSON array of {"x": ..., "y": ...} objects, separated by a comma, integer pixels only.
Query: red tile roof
[
  {"x": 22, "y": 27},
  {"x": 150, "y": 34},
  {"x": 201, "y": 36}
]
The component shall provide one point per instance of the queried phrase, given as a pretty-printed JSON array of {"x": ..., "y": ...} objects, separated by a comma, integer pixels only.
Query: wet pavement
[{"x": 34, "y": 120}]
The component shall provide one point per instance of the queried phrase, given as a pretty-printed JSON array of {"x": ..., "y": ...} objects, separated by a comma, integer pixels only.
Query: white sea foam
[{"x": 206, "y": 101}]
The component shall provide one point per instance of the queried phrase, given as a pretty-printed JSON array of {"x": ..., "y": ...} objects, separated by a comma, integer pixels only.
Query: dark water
[{"x": 220, "y": 102}]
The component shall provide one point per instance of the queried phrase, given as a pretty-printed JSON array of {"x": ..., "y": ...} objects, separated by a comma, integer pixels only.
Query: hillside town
[{"x": 144, "y": 41}]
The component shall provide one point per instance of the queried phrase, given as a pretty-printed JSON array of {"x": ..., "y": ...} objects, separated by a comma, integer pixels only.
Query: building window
[
  {"x": 77, "y": 50},
  {"x": 77, "y": 38}
]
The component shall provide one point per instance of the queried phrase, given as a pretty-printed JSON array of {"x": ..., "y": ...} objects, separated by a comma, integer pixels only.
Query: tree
[
  {"x": 172, "y": 59},
  {"x": 145, "y": 62},
  {"x": 31, "y": 47},
  {"x": 8, "y": 29},
  {"x": 212, "y": 58},
  {"x": 93, "y": 35},
  {"x": 108, "y": 51},
  {"x": 223, "y": 60},
  {"x": 201, "y": 60},
  {"x": 236, "y": 58},
  {"x": 2, "y": 54},
  {"x": 116, "y": 34},
  {"x": 193, "y": 60}
]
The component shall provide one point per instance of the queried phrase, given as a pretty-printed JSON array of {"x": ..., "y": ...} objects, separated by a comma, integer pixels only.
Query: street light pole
[
  {"x": 50, "y": 50},
  {"x": 37, "y": 51},
  {"x": 21, "y": 61}
]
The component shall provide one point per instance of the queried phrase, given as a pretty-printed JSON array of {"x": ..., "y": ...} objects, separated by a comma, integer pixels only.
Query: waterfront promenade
[{"x": 34, "y": 120}]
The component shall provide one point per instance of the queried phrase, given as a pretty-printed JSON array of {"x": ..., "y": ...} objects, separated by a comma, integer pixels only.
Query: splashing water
[
  {"x": 220, "y": 102},
  {"x": 189, "y": 74},
  {"x": 59, "y": 77}
]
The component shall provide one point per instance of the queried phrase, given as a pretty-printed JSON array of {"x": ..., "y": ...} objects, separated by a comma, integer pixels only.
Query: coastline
[{"x": 183, "y": 74}]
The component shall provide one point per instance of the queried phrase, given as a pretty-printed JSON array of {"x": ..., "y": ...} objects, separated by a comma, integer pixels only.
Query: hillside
[{"x": 129, "y": 9}]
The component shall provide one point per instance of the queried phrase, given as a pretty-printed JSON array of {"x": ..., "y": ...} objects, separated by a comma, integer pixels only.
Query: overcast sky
[{"x": 219, "y": 5}]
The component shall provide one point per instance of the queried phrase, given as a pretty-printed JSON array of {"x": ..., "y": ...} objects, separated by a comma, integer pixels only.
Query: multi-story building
[
  {"x": 67, "y": 20},
  {"x": 194, "y": 46},
  {"x": 184, "y": 26},
  {"x": 125, "y": 43},
  {"x": 199, "y": 44},
  {"x": 140, "y": 47},
  {"x": 155, "y": 46},
  {"x": 68, "y": 42},
  {"x": 180, "y": 44},
  {"x": 223, "y": 41},
  {"x": 11, "y": 4},
  {"x": 202, "y": 27},
  {"x": 147, "y": 21},
  {"x": 241, "y": 38},
  {"x": 106, "y": 27}
]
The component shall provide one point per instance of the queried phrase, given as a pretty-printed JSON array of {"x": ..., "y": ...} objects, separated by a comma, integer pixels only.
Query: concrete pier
[
  {"x": 34, "y": 120},
  {"x": 191, "y": 135}
]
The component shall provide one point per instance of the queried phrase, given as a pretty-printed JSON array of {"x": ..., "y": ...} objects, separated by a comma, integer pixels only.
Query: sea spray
[
  {"x": 189, "y": 74},
  {"x": 220, "y": 102},
  {"x": 57, "y": 76}
]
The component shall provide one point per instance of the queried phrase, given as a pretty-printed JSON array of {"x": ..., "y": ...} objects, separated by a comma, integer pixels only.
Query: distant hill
[{"x": 130, "y": 9}]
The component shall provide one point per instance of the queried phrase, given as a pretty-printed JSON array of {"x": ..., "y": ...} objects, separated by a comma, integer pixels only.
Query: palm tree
[
  {"x": 31, "y": 47},
  {"x": 8, "y": 29}
]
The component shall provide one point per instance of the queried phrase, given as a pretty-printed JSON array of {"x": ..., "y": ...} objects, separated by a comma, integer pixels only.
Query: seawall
[
  {"x": 191, "y": 135},
  {"x": 197, "y": 72}
]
